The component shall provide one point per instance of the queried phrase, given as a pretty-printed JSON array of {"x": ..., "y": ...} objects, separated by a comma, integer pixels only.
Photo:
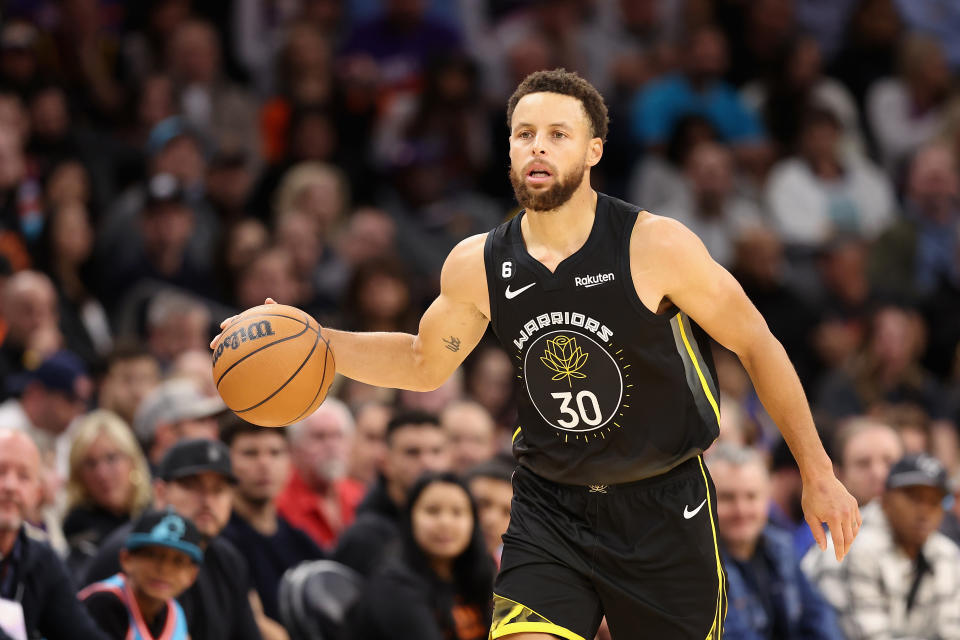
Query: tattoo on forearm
[{"x": 453, "y": 343}]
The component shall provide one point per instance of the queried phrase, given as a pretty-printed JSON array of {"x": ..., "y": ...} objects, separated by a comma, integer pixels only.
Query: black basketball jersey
[{"x": 612, "y": 392}]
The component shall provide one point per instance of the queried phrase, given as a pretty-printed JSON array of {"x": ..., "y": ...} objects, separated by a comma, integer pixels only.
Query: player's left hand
[{"x": 826, "y": 500}]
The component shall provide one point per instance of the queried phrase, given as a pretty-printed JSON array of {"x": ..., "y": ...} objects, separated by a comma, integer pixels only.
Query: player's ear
[
  {"x": 124, "y": 559},
  {"x": 594, "y": 151}
]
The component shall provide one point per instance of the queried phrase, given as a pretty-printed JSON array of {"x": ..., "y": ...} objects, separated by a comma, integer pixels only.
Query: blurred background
[{"x": 166, "y": 163}]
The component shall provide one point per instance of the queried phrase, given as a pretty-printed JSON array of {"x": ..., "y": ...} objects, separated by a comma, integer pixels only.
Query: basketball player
[{"x": 600, "y": 305}]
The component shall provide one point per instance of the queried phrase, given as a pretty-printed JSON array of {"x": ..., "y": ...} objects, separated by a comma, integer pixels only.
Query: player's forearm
[
  {"x": 779, "y": 389},
  {"x": 392, "y": 360}
]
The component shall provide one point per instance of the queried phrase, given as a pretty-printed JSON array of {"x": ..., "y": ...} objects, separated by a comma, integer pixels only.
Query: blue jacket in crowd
[{"x": 805, "y": 615}]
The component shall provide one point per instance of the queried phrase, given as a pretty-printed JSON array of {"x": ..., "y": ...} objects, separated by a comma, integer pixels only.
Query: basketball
[{"x": 272, "y": 365}]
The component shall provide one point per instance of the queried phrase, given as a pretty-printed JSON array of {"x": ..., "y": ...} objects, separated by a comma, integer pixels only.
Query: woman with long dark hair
[{"x": 439, "y": 587}]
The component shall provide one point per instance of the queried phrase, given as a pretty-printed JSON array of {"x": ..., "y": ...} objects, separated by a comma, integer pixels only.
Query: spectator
[
  {"x": 194, "y": 365},
  {"x": 176, "y": 323},
  {"x": 416, "y": 443},
  {"x": 108, "y": 485},
  {"x": 887, "y": 370},
  {"x": 658, "y": 178},
  {"x": 919, "y": 251},
  {"x": 367, "y": 233},
  {"x": 913, "y": 426},
  {"x": 320, "y": 274},
  {"x": 33, "y": 574},
  {"x": 709, "y": 206},
  {"x": 470, "y": 432},
  {"x": 794, "y": 84},
  {"x": 68, "y": 245},
  {"x": 208, "y": 101},
  {"x": 167, "y": 224},
  {"x": 908, "y": 111},
  {"x": 56, "y": 393},
  {"x": 29, "y": 310},
  {"x": 844, "y": 301},
  {"x": 869, "y": 48},
  {"x": 317, "y": 189},
  {"x": 491, "y": 485},
  {"x": 488, "y": 379},
  {"x": 769, "y": 595},
  {"x": 319, "y": 498},
  {"x": 160, "y": 561},
  {"x": 369, "y": 448},
  {"x": 260, "y": 459},
  {"x": 176, "y": 149},
  {"x": 194, "y": 480},
  {"x": 241, "y": 241},
  {"x": 864, "y": 450},
  {"x": 761, "y": 269},
  {"x": 442, "y": 583},
  {"x": 821, "y": 193},
  {"x": 699, "y": 88},
  {"x": 132, "y": 373},
  {"x": 269, "y": 273},
  {"x": 902, "y": 578},
  {"x": 379, "y": 297},
  {"x": 175, "y": 411}
]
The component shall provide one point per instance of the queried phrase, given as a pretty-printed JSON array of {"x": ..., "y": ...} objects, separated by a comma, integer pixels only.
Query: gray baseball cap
[
  {"x": 173, "y": 401},
  {"x": 918, "y": 470}
]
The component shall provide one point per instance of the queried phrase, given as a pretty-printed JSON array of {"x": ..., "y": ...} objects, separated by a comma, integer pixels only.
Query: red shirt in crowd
[{"x": 304, "y": 508}]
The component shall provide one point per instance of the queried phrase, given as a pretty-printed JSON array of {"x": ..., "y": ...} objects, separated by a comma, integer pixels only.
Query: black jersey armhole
[
  {"x": 629, "y": 218},
  {"x": 489, "y": 260}
]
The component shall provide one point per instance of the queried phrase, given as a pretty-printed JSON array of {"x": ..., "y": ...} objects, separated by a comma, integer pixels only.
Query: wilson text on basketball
[{"x": 253, "y": 331}]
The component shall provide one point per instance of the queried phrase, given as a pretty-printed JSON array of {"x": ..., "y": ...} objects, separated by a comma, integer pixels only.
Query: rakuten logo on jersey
[{"x": 592, "y": 281}]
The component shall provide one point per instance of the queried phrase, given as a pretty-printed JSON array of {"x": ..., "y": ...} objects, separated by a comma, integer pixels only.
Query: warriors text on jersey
[{"x": 612, "y": 392}]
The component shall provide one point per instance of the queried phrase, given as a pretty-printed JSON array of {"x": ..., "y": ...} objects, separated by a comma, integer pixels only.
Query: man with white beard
[{"x": 319, "y": 497}]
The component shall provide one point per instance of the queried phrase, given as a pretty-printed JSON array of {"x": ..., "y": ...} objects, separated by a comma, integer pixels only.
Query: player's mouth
[{"x": 538, "y": 173}]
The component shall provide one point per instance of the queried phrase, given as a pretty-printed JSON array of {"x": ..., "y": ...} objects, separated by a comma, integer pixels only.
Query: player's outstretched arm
[
  {"x": 451, "y": 327},
  {"x": 690, "y": 278}
]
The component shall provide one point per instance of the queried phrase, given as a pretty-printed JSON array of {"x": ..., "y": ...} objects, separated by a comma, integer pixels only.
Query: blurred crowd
[{"x": 166, "y": 163}]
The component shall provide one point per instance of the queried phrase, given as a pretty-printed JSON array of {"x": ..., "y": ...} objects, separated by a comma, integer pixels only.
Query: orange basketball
[{"x": 272, "y": 366}]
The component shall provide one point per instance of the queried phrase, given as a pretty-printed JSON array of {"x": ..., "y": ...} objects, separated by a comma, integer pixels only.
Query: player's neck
[{"x": 559, "y": 233}]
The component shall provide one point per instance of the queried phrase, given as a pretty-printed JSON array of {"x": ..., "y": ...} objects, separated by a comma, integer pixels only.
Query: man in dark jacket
[
  {"x": 32, "y": 577},
  {"x": 769, "y": 597},
  {"x": 194, "y": 479},
  {"x": 415, "y": 443}
]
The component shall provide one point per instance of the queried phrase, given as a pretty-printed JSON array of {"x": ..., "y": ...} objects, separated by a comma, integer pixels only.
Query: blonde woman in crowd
[{"x": 109, "y": 484}]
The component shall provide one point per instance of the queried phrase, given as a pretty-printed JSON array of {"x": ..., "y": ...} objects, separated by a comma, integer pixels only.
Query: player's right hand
[{"x": 225, "y": 323}]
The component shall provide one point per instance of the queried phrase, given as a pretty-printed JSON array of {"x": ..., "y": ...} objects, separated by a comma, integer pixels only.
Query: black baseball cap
[
  {"x": 918, "y": 470},
  {"x": 190, "y": 457},
  {"x": 166, "y": 529}
]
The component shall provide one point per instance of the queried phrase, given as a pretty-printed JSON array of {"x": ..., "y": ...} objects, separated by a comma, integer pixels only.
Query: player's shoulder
[
  {"x": 660, "y": 235},
  {"x": 466, "y": 258},
  {"x": 464, "y": 270}
]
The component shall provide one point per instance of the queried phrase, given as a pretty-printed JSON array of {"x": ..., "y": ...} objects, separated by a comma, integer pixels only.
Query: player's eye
[{"x": 559, "y": 134}]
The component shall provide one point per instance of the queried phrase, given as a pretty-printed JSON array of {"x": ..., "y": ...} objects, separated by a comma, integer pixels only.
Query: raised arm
[
  {"x": 666, "y": 253},
  {"x": 451, "y": 327}
]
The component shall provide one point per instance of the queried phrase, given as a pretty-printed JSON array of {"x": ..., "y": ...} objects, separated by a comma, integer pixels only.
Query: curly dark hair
[{"x": 567, "y": 83}]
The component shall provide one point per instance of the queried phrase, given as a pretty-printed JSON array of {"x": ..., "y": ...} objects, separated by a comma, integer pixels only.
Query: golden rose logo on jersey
[{"x": 564, "y": 358}]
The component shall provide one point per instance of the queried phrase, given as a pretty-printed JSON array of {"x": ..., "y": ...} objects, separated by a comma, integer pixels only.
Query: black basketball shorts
[{"x": 643, "y": 553}]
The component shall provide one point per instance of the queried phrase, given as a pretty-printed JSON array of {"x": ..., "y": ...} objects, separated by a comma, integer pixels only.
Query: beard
[{"x": 549, "y": 199}]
